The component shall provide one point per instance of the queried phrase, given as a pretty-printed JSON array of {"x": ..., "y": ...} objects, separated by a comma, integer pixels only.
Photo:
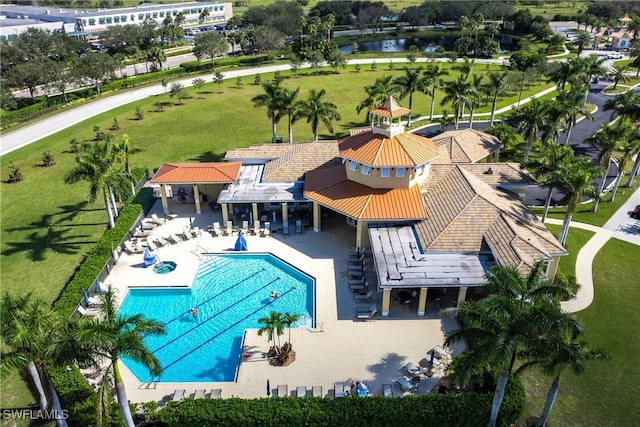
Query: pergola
[{"x": 194, "y": 175}]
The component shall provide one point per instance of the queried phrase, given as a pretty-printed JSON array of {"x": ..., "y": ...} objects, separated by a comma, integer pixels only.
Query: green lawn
[
  {"x": 576, "y": 239},
  {"x": 47, "y": 227},
  {"x": 606, "y": 393}
]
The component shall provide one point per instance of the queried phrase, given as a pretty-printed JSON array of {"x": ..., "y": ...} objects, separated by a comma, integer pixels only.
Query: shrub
[
  {"x": 47, "y": 159},
  {"x": 139, "y": 113},
  {"x": 115, "y": 125},
  {"x": 14, "y": 173}
]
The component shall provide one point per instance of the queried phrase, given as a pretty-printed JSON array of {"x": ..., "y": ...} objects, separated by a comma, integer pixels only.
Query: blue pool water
[{"x": 231, "y": 292}]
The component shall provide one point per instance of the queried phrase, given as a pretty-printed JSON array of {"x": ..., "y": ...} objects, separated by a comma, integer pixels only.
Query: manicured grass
[
  {"x": 576, "y": 239},
  {"x": 605, "y": 208},
  {"x": 606, "y": 393}
]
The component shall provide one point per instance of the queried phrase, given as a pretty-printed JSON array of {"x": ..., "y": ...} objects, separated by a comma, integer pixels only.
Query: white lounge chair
[
  {"x": 186, "y": 232},
  {"x": 266, "y": 231},
  {"x": 245, "y": 227},
  {"x": 316, "y": 391},
  {"x": 199, "y": 394},
  {"x": 357, "y": 267},
  {"x": 159, "y": 241},
  {"x": 131, "y": 249},
  {"x": 358, "y": 285},
  {"x": 152, "y": 246},
  {"x": 301, "y": 391},
  {"x": 158, "y": 221},
  {"x": 406, "y": 384},
  {"x": 216, "y": 393},
  {"x": 88, "y": 312},
  {"x": 229, "y": 230},
  {"x": 173, "y": 238},
  {"x": 366, "y": 313},
  {"x": 215, "y": 229},
  {"x": 362, "y": 296},
  {"x": 387, "y": 390},
  {"x": 413, "y": 370},
  {"x": 283, "y": 390},
  {"x": 195, "y": 232},
  {"x": 298, "y": 226},
  {"x": 178, "y": 395},
  {"x": 256, "y": 228}
]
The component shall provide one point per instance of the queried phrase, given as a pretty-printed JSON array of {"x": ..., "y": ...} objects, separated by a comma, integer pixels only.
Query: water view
[{"x": 424, "y": 44}]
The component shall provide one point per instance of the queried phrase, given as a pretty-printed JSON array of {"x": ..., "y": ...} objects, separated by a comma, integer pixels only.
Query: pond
[{"x": 424, "y": 43}]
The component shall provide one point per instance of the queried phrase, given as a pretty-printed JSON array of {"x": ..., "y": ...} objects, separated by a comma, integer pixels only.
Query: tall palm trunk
[
  {"x": 634, "y": 172},
  {"x": 55, "y": 405},
  {"x": 108, "y": 207},
  {"x": 547, "y": 203},
  {"x": 290, "y": 130},
  {"x": 472, "y": 108},
  {"x": 551, "y": 398},
  {"x": 594, "y": 209},
  {"x": 273, "y": 129},
  {"x": 497, "y": 397},
  {"x": 121, "y": 395},
  {"x": 527, "y": 150},
  {"x": 616, "y": 185},
  {"x": 566, "y": 141},
  {"x": 113, "y": 202},
  {"x": 410, "y": 106},
  {"x": 433, "y": 103},
  {"x": 37, "y": 383},
  {"x": 566, "y": 222},
  {"x": 493, "y": 108}
]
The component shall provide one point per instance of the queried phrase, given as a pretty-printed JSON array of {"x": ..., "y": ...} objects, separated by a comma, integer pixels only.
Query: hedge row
[
  {"x": 75, "y": 394},
  {"x": 450, "y": 409}
]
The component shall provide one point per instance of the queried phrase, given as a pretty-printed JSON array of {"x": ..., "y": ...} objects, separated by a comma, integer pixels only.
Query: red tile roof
[
  {"x": 331, "y": 188},
  {"x": 376, "y": 150},
  {"x": 195, "y": 173}
]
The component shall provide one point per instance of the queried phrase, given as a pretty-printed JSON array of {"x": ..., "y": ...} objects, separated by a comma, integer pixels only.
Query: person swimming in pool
[
  {"x": 194, "y": 313},
  {"x": 273, "y": 294}
]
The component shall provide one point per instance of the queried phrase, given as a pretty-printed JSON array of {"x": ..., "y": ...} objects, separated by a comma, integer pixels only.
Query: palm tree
[
  {"x": 409, "y": 83},
  {"x": 577, "y": 183},
  {"x": 291, "y": 107},
  {"x": 26, "y": 328},
  {"x": 316, "y": 110},
  {"x": 495, "y": 87},
  {"x": 624, "y": 105},
  {"x": 558, "y": 354},
  {"x": 583, "y": 38},
  {"x": 529, "y": 120},
  {"x": 289, "y": 319},
  {"x": 272, "y": 100},
  {"x": 113, "y": 336},
  {"x": 95, "y": 164},
  {"x": 455, "y": 94},
  {"x": 554, "y": 123},
  {"x": 378, "y": 92},
  {"x": 501, "y": 327},
  {"x": 633, "y": 149},
  {"x": 566, "y": 72},
  {"x": 545, "y": 168},
  {"x": 634, "y": 54},
  {"x": 619, "y": 74},
  {"x": 573, "y": 107},
  {"x": 475, "y": 96},
  {"x": 273, "y": 323},
  {"x": 433, "y": 80},
  {"x": 608, "y": 140}
]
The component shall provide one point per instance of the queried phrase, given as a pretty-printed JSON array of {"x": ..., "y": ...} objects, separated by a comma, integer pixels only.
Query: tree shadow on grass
[
  {"x": 67, "y": 214},
  {"x": 38, "y": 244},
  {"x": 208, "y": 156}
]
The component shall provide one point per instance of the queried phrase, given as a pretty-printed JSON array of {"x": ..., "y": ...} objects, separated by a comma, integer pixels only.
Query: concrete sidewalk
[{"x": 620, "y": 226}]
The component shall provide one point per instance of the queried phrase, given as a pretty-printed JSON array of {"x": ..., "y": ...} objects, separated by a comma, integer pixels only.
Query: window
[
  {"x": 123, "y": 18},
  {"x": 353, "y": 166},
  {"x": 92, "y": 22},
  {"x": 399, "y": 172},
  {"x": 116, "y": 19},
  {"x": 162, "y": 14},
  {"x": 141, "y": 17},
  {"x": 109, "y": 20},
  {"x": 384, "y": 172},
  {"x": 366, "y": 170},
  {"x": 100, "y": 20},
  {"x": 155, "y": 14},
  {"x": 133, "y": 17},
  {"x": 221, "y": 7}
]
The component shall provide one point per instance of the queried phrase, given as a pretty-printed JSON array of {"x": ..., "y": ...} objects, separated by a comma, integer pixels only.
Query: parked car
[{"x": 614, "y": 55}]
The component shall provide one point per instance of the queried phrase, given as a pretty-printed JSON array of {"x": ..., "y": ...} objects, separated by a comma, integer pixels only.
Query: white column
[
  {"x": 359, "y": 230},
  {"x": 165, "y": 202},
  {"x": 225, "y": 213},
  {"x": 254, "y": 208},
  {"x": 316, "y": 217},
  {"x": 285, "y": 215},
  {"x": 422, "y": 301},
  {"x": 196, "y": 197},
  {"x": 386, "y": 300},
  {"x": 462, "y": 295}
]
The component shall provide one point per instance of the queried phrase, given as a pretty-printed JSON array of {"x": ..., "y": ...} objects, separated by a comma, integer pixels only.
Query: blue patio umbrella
[
  {"x": 141, "y": 226},
  {"x": 190, "y": 222},
  {"x": 85, "y": 297},
  {"x": 98, "y": 286},
  {"x": 241, "y": 243},
  {"x": 268, "y": 388},
  {"x": 149, "y": 258},
  {"x": 274, "y": 217},
  {"x": 250, "y": 217},
  {"x": 433, "y": 356}
]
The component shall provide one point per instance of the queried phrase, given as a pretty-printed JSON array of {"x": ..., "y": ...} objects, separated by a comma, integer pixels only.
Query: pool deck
[{"x": 339, "y": 350}]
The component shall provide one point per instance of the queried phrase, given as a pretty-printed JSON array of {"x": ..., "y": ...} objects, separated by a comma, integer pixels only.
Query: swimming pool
[{"x": 230, "y": 292}]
